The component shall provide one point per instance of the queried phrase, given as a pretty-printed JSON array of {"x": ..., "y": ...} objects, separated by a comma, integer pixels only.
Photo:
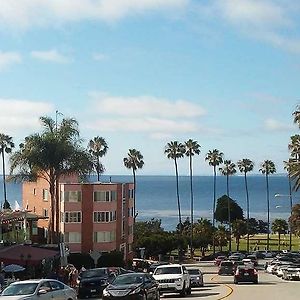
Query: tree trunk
[
  {"x": 57, "y": 210},
  {"x": 134, "y": 188},
  {"x": 268, "y": 211},
  {"x": 192, "y": 205},
  {"x": 4, "y": 176},
  {"x": 279, "y": 241},
  {"x": 98, "y": 168},
  {"x": 247, "y": 199},
  {"x": 214, "y": 205},
  {"x": 52, "y": 215},
  {"x": 178, "y": 199},
  {"x": 229, "y": 215}
]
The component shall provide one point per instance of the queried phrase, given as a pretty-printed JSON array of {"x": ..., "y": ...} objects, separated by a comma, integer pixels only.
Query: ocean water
[{"x": 156, "y": 196}]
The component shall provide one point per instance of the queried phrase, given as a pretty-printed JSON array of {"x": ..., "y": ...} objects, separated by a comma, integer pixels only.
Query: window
[
  {"x": 130, "y": 193},
  {"x": 34, "y": 191},
  {"x": 45, "y": 212},
  {"x": 72, "y": 237},
  {"x": 104, "y": 236},
  {"x": 72, "y": 196},
  {"x": 130, "y": 230},
  {"x": 104, "y": 216},
  {"x": 73, "y": 217},
  {"x": 105, "y": 196},
  {"x": 45, "y": 195}
]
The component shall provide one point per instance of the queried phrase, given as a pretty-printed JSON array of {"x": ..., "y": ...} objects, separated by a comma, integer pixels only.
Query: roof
[{"x": 7, "y": 216}]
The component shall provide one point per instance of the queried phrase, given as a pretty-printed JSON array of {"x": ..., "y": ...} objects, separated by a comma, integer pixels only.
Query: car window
[
  {"x": 169, "y": 270},
  {"x": 46, "y": 286},
  {"x": 20, "y": 289},
  {"x": 226, "y": 263},
  {"x": 128, "y": 279},
  {"x": 193, "y": 271},
  {"x": 94, "y": 273},
  {"x": 55, "y": 285}
]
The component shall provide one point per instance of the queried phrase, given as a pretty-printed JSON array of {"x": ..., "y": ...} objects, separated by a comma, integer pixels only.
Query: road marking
[{"x": 228, "y": 286}]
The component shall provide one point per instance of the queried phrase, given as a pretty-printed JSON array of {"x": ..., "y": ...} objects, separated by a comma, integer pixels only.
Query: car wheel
[{"x": 255, "y": 281}]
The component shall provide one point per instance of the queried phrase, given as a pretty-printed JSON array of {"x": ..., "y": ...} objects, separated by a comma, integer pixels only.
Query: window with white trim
[
  {"x": 105, "y": 196},
  {"x": 72, "y": 217},
  {"x": 104, "y": 236},
  {"x": 105, "y": 216},
  {"x": 72, "y": 196},
  {"x": 72, "y": 237},
  {"x": 45, "y": 212},
  {"x": 45, "y": 195}
]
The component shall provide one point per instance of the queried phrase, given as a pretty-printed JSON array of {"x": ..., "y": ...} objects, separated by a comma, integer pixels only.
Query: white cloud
[
  {"x": 9, "y": 58},
  {"x": 146, "y": 106},
  {"x": 50, "y": 55},
  {"x": 22, "y": 14},
  {"x": 19, "y": 116},
  {"x": 99, "y": 56},
  {"x": 158, "y": 118},
  {"x": 266, "y": 20},
  {"x": 274, "y": 125}
]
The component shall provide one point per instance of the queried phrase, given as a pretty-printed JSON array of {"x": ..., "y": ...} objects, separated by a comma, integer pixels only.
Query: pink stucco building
[{"x": 93, "y": 216}]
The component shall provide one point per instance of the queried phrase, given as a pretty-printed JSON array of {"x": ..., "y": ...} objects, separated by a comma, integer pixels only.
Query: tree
[
  {"x": 134, "y": 161},
  {"x": 98, "y": 148},
  {"x": 55, "y": 152},
  {"x": 191, "y": 148},
  {"x": 221, "y": 236},
  {"x": 279, "y": 226},
  {"x": 221, "y": 213},
  {"x": 245, "y": 165},
  {"x": 239, "y": 228},
  {"x": 6, "y": 146},
  {"x": 294, "y": 219},
  {"x": 175, "y": 150},
  {"x": 214, "y": 158},
  {"x": 267, "y": 168},
  {"x": 203, "y": 234},
  {"x": 228, "y": 170}
]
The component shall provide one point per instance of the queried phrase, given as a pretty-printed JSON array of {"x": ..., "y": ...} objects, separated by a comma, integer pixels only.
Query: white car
[
  {"x": 173, "y": 278},
  {"x": 41, "y": 289}
]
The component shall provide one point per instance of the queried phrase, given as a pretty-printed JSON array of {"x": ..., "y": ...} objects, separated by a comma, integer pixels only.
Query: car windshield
[
  {"x": 20, "y": 289},
  {"x": 128, "y": 279},
  {"x": 94, "y": 273},
  {"x": 193, "y": 271},
  {"x": 227, "y": 263},
  {"x": 169, "y": 270}
]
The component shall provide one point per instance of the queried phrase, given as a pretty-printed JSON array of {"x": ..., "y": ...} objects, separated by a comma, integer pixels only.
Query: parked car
[
  {"x": 196, "y": 276},
  {"x": 93, "y": 281},
  {"x": 173, "y": 278},
  {"x": 226, "y": 267},
  {"x": 132, "y": 286},
  {"x": 245, "y": 274},
  {"x": 237, "y": 263},
  {"x": 253, "y": 259},
  {"x": 37, "y": 289},
  {"x": 292, "y": 273}
]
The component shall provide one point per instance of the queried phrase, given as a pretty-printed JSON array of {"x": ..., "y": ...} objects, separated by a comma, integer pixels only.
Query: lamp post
[{"x": 291, "y": 207}]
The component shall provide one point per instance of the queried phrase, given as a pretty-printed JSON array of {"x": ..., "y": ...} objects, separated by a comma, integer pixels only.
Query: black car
[
  {"x": 245, "y": 274},
  {"x": 226, "y": 267},
  {"x": 133, "y": 286},
  {"x": 93, "y": 281}
]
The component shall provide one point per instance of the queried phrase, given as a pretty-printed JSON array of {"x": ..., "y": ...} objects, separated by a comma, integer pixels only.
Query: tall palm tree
[
  {"x": 6, "y": 146},
  {"x": 227, "y": 170},
  {"x": 267, "y": 168},
  {"x": 294, "y": 146},
  {"x": 134, "y": 161},
  {"x": 54, "y": 152},
  {"x": 245, "y": 165},
  {"x": 279, "y": 226},
  {"x": 98, "y": 148},
  {"x": 191, "y": 148},
  {"x": 214, "y": 158},
  {"x": 296, "y": 115},
  {"x": 175, "y": 150}
]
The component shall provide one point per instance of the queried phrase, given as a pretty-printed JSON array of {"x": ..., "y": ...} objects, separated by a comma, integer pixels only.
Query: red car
[{"x": 218, "y": 259}]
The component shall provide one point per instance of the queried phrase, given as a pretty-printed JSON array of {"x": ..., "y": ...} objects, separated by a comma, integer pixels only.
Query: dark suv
[
  {"x": 226, "y": 267},
  {"x": 93, "y": 281}
]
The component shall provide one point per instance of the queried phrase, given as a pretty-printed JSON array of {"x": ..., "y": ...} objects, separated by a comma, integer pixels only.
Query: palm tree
[
  {"x": 134, "y": 161},
  {"x": 245, "y": 165},
  {"x": 214, "y": 158},
  {"x": 267, "y": 168},
  {"x": 191, "y": 148},
  {"x": 98, "y": 148},
  {"x": 294, "y": 146},
  {"x": 6, "y": 146},
  {"x": 55, "y": 152},
  {"x": 280, "y": 226},
  {"x": 296, "y": 115},
  {"x": 175, "y": 150},
  {"x": 227, "y": 170}
]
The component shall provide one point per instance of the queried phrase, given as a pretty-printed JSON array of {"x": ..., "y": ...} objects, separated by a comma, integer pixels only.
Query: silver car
[
  {"x": 42, "y": 289},
  {"x": 196, "y": 276}
]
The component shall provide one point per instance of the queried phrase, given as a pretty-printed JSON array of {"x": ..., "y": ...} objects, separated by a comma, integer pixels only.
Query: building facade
[{"x": 93, "y": 216}]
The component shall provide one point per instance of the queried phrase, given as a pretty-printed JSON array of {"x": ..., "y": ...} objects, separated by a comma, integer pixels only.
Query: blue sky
[{"x": 141, "y": 73}]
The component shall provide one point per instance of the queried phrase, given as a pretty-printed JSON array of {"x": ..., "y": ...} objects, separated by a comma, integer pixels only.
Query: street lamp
[{"x": 291, "y": 207}]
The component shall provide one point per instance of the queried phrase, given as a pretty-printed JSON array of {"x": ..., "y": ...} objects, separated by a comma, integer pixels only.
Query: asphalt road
[{"x": 217, "y": 287}]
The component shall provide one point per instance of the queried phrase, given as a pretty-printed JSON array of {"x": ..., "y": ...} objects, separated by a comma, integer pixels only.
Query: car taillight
[{"x": 255, "y": 272}]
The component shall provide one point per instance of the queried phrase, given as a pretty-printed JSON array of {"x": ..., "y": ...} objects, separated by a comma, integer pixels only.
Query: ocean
[{"x": 156, "y": 196}]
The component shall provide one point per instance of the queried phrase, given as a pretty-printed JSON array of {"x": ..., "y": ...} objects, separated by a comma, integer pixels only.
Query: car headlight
[
  {"x": 106, "y": 293},
  {"x": 178, "y": 279},
  {"x": 136, "y": 291},
  {"x": 198, "y": 278}
]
